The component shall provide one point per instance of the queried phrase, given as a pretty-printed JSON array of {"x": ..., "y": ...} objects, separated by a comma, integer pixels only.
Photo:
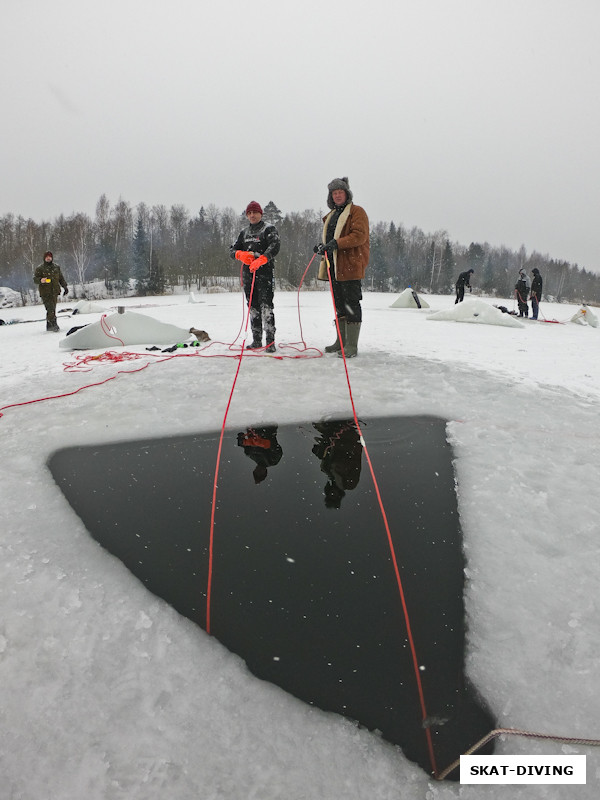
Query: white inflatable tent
[
  {"x": 127, "y": 328},
  {"x": 585, "y": 317},
  {"x": 409, "y": 299}
]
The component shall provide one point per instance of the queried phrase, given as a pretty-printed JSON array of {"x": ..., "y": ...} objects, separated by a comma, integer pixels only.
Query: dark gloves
[
  {"x": 321, "y": 249},
  {"x": 66, "y": 290}
]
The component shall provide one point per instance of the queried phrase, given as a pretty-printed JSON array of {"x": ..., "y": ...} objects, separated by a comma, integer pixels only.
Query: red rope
[
  {"x": 243, "y": 352},
  {"x": 413, "y": 649},
  {"x": 75, "y": 391},
  {"x": 107, "y": 331},
  {"x": 219, "y": 449}
]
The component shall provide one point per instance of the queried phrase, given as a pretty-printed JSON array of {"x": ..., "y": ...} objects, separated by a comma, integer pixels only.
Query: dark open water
[{"x": 303, "y": 586}]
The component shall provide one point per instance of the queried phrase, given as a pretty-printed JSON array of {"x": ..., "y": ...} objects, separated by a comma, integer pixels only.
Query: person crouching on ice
[
  {"x": 256, "y": 247},
  {"x": 49, "y": 279}
]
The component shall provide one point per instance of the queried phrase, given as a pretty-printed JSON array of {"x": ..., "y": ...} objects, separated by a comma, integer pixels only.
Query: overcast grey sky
[{"x": 480, "y": 117}]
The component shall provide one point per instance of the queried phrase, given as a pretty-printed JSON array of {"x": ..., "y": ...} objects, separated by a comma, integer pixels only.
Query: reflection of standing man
[
  {"x": 340, "y": 451},
  {"x": 261, "y": 445}
]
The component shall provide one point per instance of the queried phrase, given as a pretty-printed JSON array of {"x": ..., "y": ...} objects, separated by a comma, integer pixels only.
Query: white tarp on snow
[
  {"x": 89, "y": 307},
  {"x": 128, "y": 328},
  {"x": 407, "y": 300},
  {"x": 585, "y": 317},
  {"x": 477, "y": 311}
]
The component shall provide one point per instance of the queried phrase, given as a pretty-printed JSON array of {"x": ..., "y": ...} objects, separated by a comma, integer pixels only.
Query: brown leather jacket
[{"x": 351, "y": 257}]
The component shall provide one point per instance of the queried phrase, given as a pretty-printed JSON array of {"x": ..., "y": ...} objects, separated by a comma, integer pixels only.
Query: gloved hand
[
  {"x": 257, "y": 263},
  {"x": 46, "y": 280},
  {"x": 66, "y": 291},
  {"x": 244, "y": 256},
  {"x": 321, "y": 249}
]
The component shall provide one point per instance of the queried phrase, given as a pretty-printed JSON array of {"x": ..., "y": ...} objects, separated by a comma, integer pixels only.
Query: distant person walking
[
  {"x": 463, "y": 280},
  {"x": 256, "y": 247},
  {"x": 536, "y": 292},
  {"x": 49, "y": 278},
  {"x": 522, "y": 287},
  {"x": 345, "y": 246}
]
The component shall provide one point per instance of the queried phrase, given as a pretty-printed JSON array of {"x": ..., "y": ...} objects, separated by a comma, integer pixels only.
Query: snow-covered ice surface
[{"x": 107, "y": 693}]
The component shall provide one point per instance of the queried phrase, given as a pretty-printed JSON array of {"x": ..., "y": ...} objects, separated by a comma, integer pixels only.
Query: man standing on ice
[
  {"x": 463, "y": 280},
  {"x": 522, "y": 287},
  {"x": 256, "y": 247},
  {"x": 345, "y": 246},
  {"x": 536, "y": 292},
  {"x": 49, "y": 279}
]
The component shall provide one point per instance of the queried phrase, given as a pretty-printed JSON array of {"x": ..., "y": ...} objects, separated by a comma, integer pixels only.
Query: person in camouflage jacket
[{"x": 49, "y": 278}]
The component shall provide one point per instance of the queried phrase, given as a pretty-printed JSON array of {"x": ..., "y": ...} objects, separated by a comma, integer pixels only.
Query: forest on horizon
[{"x": 152, "y": 250}]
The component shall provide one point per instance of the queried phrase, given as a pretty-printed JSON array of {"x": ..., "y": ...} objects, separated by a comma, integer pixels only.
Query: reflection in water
[
  {"x": 339, "y": 448},
  {"x": 261, "y": 445},
  {"x": 307, "y": 597}
]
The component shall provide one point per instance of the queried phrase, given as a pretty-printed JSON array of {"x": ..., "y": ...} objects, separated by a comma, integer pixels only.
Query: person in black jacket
[
  {"x": 536, "y": 292},
  {"x": 49, "y": 278},
  {"x": 256, "y": 247},
  {"x": 462, "y": 281}
]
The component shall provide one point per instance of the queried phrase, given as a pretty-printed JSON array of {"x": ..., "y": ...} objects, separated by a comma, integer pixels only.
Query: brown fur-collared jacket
[{"x": 351, "y": 233}]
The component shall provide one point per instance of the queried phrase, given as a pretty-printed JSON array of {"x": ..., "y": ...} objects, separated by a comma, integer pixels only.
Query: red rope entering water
[
  {"x": 219, "y": 449},
  {"x": 413, "y": 649}
]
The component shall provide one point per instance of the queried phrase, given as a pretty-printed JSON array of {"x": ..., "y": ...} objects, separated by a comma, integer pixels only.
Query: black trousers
[
  {"x": 262, "y": 315},
  {"x": 460, "y": 294},
  {"x": 347, "y": 296}
]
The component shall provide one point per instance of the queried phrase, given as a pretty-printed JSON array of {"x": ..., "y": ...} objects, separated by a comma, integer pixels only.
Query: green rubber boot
[
  {"x": 351, "y": 340},
  {"x": 336, "y": 347}
]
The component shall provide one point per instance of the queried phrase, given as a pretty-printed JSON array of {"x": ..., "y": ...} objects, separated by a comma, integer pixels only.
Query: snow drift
[{"x": 477, "y": 311}]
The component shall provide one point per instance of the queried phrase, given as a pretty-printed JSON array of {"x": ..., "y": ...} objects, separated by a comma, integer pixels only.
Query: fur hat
[
  {"x": 338, "y": 183},
  {"x": 254, "y": 206},
  {"x": 535, "y": 271}
]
